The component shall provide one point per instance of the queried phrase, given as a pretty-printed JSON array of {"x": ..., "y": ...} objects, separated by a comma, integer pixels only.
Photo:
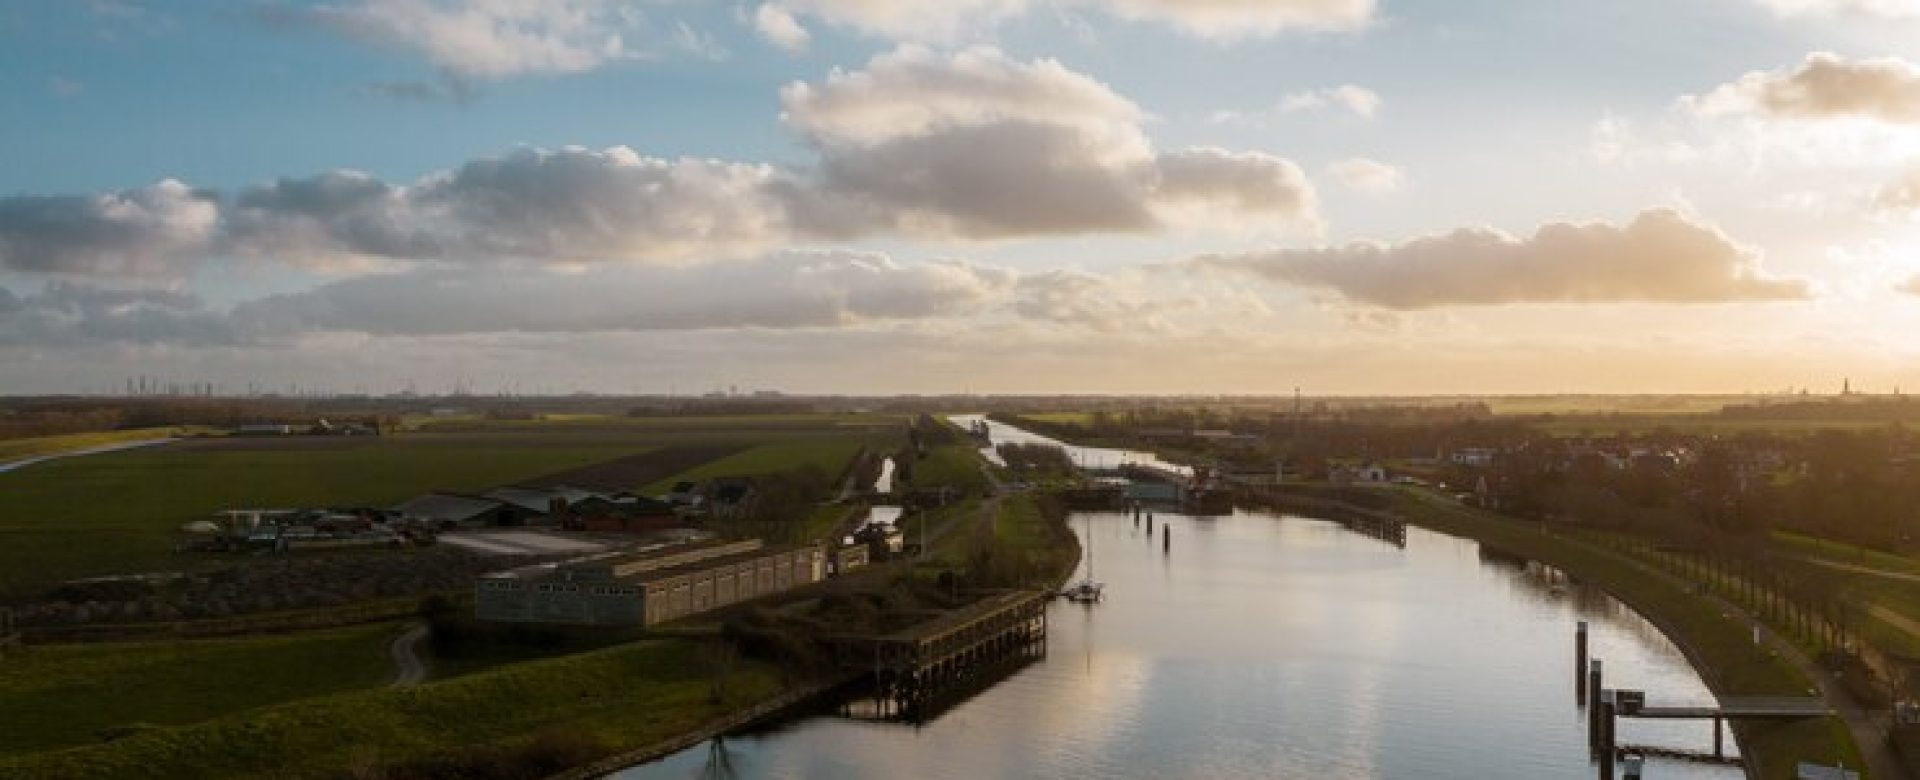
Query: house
[{"x": 454, "y": 510}]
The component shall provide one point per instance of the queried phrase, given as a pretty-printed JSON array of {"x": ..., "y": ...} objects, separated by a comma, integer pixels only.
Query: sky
[{"x": 992, "y": 196}]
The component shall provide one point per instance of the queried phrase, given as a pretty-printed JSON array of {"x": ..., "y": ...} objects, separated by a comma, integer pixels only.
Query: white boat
[
  {"x": 1083, "y": 592},
  {"x": 1086, "y": 591}
]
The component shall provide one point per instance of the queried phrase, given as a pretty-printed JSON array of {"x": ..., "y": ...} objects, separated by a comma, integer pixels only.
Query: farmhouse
[{"x": 645, "y": 588}]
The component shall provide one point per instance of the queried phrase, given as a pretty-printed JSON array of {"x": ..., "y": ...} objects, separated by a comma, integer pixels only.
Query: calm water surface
[{"x": 1267, "y": 646}]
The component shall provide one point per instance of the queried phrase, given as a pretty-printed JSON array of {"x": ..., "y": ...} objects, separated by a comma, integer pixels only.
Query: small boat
[
  {"x": 1086, "y": 591},
  {"x": 1083, "y": 592}
]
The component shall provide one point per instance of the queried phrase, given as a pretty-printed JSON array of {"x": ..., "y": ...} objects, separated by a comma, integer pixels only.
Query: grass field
[
  {"x": 830, "y": 455},
  {"x": 617, "y": 699},
  {"x": 64, "y": 695},
  {"x": 116, "y": 513},
  {"x": 950, "y": 465},
  {"x": 15, "y": 449}
]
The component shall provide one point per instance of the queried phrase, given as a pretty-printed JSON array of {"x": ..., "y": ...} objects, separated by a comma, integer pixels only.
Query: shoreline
[{"x": 1767, "y": 750}]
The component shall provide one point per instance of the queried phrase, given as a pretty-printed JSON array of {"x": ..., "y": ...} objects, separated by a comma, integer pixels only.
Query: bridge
[{"x": 1739, "y": 708}]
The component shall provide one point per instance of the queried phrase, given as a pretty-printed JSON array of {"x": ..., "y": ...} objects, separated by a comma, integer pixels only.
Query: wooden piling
[
  {"x": 1580, "y": 664},
  {"x": 1166, "y": 542},
  {"x": 1607, "y": 748}
]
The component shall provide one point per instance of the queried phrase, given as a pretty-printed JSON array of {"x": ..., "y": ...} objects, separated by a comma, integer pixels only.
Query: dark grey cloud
[
  {"x": 153, "y": 231},
  {"x": 69, "y": 314},
  {"x": 1661, "y": 256}
]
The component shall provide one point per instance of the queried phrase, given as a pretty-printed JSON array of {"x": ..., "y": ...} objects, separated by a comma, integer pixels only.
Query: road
[{"x": 408, "y": 669}]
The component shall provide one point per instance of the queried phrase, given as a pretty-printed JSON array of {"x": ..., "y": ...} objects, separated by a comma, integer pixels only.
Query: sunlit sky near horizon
[{"x": 872, "y": 196}]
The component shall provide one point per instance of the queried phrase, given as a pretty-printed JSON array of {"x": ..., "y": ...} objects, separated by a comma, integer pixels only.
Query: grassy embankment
[
  {"x": 1719, "y": 645},
  {"x": 16, "y": 449},
  {"x": 68, "y": 695},
  {"x": 600, "y": 703}
]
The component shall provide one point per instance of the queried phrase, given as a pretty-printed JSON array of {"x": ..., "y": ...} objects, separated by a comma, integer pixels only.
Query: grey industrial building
[{"x": 645, "y": 588}]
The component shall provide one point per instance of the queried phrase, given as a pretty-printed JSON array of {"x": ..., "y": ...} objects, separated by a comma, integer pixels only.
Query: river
[{"x": 1262, "y": 646}]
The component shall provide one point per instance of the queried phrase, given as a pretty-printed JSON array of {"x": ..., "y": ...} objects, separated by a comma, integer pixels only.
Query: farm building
[
  {"x": 647, "y": 588},
  {"x": 621, "y": 514},
  {"x": 454, "y": 510}
]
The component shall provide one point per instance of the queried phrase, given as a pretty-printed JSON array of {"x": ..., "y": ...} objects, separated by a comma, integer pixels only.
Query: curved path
[{"x": 409, "y": 670}]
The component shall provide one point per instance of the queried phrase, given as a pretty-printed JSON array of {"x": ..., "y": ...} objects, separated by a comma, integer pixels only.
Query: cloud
[
  {"x": 791, "y": 290},
  {"x": 1828, "y": 8},
  {"x": 569, "y": 205},
  {"x": 946, "y": 21},
  {"x": 67, "y": 314},
  {"x": 152, "y": 231},
  {"x": 1661, "y": 256},
  {"x": 1083, "y": 300},
  {"x": 1235, "y": 19},
  {"x": 933, "y": 144},
  {"x": 1367, "y": 176},
  {"x": 1825, "y": 86},
  {"x": 482, "y": 39},
  {"x": 1900, "y": 196},
  {"x": 777, "y": 26},
  {"x": 64, "y": 87},
  {"x": 970, "y": 145},
  {"x": 1362, "y": 102}
]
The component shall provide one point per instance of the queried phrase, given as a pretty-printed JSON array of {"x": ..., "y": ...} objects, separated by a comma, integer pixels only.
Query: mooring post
[
  {"x": 1580, "y": 664},
  {"x": 1718, "y": 753},
  {"x": 1166, "y": 542},
  {"x": 1606, "y": 735},
  {"x": 1594, "y": 690}
]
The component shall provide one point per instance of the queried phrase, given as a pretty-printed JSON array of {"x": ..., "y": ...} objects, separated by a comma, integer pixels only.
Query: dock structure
[{"x": 910, "y": 666}]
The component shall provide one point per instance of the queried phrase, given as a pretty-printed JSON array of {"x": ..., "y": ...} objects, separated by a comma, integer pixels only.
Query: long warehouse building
[{"x": 648, "y": 588}]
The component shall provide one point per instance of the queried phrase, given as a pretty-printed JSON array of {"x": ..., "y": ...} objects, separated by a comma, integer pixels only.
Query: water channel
[{"x": 1262, "y": 646}]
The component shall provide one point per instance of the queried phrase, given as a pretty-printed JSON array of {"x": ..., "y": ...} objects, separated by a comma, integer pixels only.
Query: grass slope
[
  {"x": 620, "y": 698},
  {"x": 63, "y": 695},
  {"x": 15, "y": 449}
]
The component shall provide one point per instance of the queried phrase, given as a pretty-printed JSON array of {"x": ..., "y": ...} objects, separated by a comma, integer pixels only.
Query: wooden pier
[
  {"x": 910, "y": 667},
  {"x": 1605, "y": 706}
]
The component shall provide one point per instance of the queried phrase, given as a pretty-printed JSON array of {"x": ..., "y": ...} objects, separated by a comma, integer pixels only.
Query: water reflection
[
  {"x": 1091, "y": 458},
  {"x": 1268, "y": 646}
]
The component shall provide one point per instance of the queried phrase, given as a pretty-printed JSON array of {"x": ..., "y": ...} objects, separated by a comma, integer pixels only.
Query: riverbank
[
  {"x": 1718, "y": 644},
  {"x": 540, "y": 717}
]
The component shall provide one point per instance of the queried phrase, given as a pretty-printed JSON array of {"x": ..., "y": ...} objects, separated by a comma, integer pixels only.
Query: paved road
[
  {"x": 1867, "y": 570},
  {"x": 409, "y": 671}
]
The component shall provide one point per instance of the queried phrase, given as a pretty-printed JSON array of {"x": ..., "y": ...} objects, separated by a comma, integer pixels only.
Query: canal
[{"x": 1266, "y": 645}]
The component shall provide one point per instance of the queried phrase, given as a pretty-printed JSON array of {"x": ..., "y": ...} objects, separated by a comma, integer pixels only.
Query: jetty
[{"x": 908, "y": 667}]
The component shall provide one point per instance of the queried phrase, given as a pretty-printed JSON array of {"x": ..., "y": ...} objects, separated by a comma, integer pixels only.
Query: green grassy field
[
  {"x": 117, "y": 512},
  {"x": 830, "y": 455},
  {"x": 15, "y": 449},
  {"x": 616, "y": 699},
  {"x": 64, "y": 695},
  {"x": 950, "y": 465}
]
